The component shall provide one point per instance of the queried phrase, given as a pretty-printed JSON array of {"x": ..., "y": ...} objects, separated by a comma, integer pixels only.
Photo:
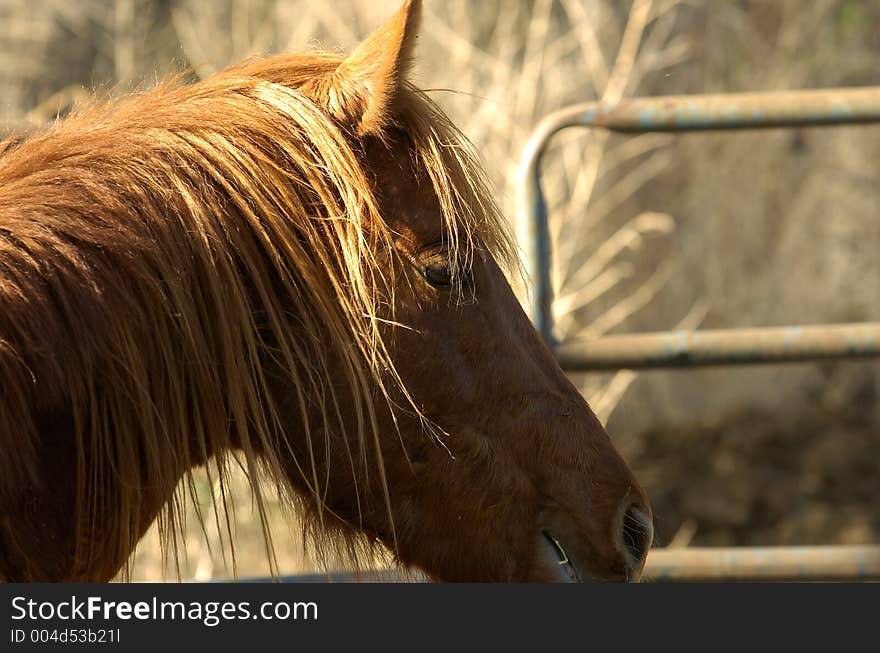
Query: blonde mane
[{"x": 152, "y": 249}]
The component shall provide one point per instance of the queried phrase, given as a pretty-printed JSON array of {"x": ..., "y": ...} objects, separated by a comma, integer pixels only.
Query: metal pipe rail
[
  {"x": 665, "y": 114},
  {"x": 720, "y": 347},
  {"x": 689, "y": 565},
  {"x": 696, "y": 348},
  {"x": 777, "y": 564}
]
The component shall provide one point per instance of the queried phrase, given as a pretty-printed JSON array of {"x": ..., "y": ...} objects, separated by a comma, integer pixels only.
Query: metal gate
[{"x": 704, "y": 347}]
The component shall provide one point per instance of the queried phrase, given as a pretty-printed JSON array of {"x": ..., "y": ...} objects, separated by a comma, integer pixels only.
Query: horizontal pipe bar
[
  {"x": 718, "y": 564},
  {"x": 736, "y": 111},
  {"x": 677, "y": 113},
  {"x": 721, "y": 347},
  {"x": 802, "y": 563},
  {"x": 391, "y": 575}
]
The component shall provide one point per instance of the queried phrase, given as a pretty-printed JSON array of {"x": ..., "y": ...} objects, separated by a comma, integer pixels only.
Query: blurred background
[{"x": 650, "y": 232}]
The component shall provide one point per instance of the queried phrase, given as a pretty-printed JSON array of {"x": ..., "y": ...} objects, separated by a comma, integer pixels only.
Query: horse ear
[{"x": 364, "y": 87}]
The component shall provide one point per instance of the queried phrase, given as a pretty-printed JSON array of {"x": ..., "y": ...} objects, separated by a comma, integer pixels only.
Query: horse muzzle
[{"x": 564, "y": 558}]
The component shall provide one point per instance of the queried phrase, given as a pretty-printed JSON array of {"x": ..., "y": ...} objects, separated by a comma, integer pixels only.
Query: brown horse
[{"x": 296, "y": 266}]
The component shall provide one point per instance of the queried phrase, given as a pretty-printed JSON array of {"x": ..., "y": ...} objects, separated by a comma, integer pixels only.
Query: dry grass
[{"x": 207, "y": 552}]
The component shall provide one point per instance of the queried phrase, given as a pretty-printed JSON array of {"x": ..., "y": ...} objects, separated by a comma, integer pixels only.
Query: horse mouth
[{"x": 558, "y": 560}]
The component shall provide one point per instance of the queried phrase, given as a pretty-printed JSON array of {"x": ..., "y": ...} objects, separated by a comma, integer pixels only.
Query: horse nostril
[{"x": 637, "y": 534}]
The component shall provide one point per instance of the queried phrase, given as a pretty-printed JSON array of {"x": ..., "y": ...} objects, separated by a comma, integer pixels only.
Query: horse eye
[{"x": 438, "y": 274}]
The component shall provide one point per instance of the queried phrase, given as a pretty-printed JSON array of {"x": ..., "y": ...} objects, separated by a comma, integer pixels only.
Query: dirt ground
[{"x": 753, "y": 480}]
